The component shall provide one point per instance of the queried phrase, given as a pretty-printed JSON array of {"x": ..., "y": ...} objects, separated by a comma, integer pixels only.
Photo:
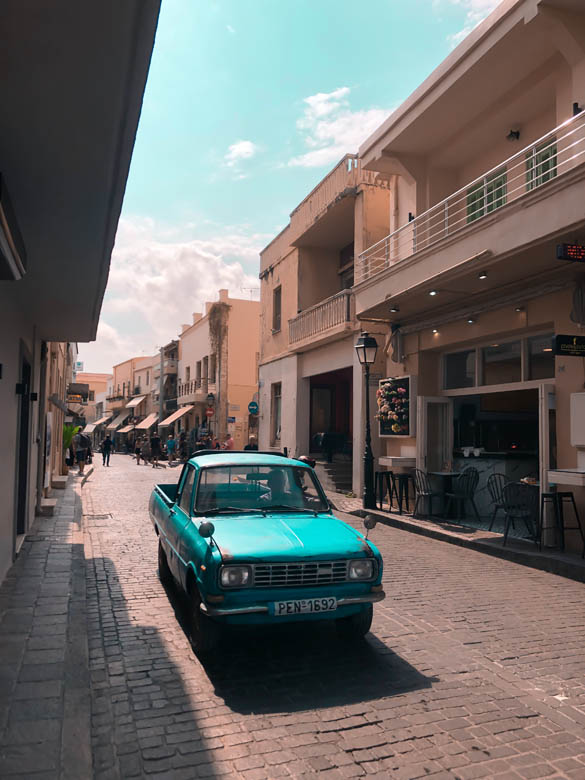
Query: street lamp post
[{"x": 366, "y": 348}]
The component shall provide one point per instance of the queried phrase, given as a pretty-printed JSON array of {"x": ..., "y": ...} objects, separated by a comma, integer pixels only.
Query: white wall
[{"x": 15, "y": 333}]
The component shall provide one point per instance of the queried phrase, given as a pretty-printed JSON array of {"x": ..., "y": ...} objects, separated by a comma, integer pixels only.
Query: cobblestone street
[{"x": 474, "y": 667}]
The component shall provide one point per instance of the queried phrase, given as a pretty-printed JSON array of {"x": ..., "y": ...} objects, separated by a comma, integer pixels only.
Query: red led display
[{"x": 571, "y": 252}]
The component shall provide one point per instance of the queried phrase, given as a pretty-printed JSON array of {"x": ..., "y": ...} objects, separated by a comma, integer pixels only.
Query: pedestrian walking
[
  {"x": 146, "y": 457},
  {"x": 155, "y": 449},
  {"x": 252, "y": 443},
  {"x": 171, "y": 446},
  {"x": 229, "y": 443},
  {"x": 106, "y": 450},
  {"x": 82, "y": 448},
  {"x": 138, "y": 450}
]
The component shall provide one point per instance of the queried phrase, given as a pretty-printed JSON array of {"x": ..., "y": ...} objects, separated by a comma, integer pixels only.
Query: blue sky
[{"x": 248, "y": 104}]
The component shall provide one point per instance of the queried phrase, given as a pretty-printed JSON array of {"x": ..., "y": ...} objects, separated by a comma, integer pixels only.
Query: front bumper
[{"x": 345, "y": 601}]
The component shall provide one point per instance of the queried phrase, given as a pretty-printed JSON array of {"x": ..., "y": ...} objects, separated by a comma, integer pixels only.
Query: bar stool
[
  {"x": 386, "y": 483},
  {"x": 404, "y": 479},
  {"x": 556, "y": 500}
]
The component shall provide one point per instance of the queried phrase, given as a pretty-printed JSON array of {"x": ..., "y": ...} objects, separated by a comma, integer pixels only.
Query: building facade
[
  {"x": 218, "y": 370},
  {"x": 60, "y": 204},
  {"x": 486, "y": 162},
  {"x": 310, "y": 379}
]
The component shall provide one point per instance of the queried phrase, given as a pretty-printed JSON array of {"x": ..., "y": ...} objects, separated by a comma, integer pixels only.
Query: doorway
[
  {"x": 331, "y": 407},
  {"x": 22, "y": 462}
]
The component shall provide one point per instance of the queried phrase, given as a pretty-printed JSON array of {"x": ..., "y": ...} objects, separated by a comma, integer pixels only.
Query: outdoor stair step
[
  {"x": 48, "y": 506},
  {"x": 58, "y": 482}
]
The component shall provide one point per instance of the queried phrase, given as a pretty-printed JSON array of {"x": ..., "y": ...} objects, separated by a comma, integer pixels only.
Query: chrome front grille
[{"x": 282, "y": 575}]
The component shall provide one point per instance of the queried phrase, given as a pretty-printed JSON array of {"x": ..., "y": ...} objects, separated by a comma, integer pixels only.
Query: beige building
[
  {"x": 310, "y": 394},
  {"x": 98, "y": 385},
  {"x": 60, "y": 200},
  {"x": 218, "y": 369},
  {"x": 486, "y": 162}
]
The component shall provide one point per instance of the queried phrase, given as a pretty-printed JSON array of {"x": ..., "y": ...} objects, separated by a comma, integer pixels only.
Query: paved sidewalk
[
  {"x": 518, "y": 550},
  {"x": 44, "y": 677}
]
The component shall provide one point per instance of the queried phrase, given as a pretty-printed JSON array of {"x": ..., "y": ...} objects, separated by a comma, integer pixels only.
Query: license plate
[{"x": 303, "y": 606}]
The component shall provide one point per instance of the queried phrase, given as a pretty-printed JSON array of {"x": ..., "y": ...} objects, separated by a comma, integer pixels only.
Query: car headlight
[
  {"x": 235, "y": 576},
  {"x": 363, "y": 569}
]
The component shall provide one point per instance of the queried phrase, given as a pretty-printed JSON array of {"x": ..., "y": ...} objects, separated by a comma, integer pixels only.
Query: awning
[
  {"x": 56, "y": 401},
  {"x": 148, "y": 422},
  {"x": 103, "y": 420},
  {"x": 126, "y": 429},
  {"x": 89, "y": 428},
  {"x": 115, "y": 424},
  {"x": 175, "y": 416},
  {"x": 135, "y": 402}
]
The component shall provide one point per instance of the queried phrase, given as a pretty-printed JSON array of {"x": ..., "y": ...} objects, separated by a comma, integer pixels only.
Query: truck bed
[{"x": 168, "y": 493}]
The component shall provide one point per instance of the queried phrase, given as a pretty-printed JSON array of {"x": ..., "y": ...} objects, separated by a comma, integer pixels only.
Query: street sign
[
  {"x": 570, "y": 346},
  {"x": 253, "y": 407},
  {"x": 210, "y": 411},
  {"x": 575, "y": 252}
]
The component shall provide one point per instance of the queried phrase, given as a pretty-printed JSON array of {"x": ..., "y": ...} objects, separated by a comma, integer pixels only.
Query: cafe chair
[
  {"x": 464, "y": 487},
  {"x": 495, "y": 486},
  {"x": 385, "y": 483},
  {"x": 423, "y": 488},
  {"x": 521, "y": 503}
]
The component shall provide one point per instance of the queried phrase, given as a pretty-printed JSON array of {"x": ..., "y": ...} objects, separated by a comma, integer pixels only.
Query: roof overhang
[{"x": 73, "y": 78}]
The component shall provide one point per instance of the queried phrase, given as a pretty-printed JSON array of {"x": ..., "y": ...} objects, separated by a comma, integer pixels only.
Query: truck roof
[{"x": 239, "y": 457}]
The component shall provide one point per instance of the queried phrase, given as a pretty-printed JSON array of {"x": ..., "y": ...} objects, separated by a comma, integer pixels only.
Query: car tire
[
  {"x": 164, "y": 571},
  {"x": 355, "y": 626},
  {"x": 204, "y": 632}
]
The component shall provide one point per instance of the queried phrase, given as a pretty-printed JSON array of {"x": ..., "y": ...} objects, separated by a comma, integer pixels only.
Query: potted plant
[{"x": 69, "y": 432}]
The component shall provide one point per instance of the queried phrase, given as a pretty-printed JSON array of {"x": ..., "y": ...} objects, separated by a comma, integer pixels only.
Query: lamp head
[{"x": 366, "y": 348}]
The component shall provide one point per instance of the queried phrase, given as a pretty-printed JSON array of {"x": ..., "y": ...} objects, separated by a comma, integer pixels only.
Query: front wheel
[
  {"x": 355, "y": 626},
  {"x": 164, "y": 571},
  {"x": 205, "y": 633}
]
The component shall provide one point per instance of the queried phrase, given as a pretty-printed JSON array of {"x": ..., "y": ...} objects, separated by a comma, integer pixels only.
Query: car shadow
[{"x": 276, "y": 669}]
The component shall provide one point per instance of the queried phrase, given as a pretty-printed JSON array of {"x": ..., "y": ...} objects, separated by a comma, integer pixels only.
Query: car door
[{"x": 180, "y": 515}]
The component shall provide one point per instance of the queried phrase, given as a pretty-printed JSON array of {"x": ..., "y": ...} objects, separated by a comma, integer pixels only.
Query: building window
[
  {"x": 276, "y": 412},
  {"x": 205, "y": 368},
  {"x": 487, "y": 196},
  {"x": 276, "y": 308},
  {"x": 212, "y": 365},
  {"x": 346, "y": 279},
  {"x": 541, "y": 164},
  {"x": 92, "y": 395},
  {"x": 187, "y": 373},
  {"x": 502, "y": 363},
  {"x": 198, "y": 373},
  {"x": 460, "y": 369},
  {"x": 541, "y": 359},
  {"x": 147, "y": 378}
]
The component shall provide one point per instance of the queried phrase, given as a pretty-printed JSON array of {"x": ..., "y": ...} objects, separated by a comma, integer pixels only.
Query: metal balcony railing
[
  {"x": 529, "y": 169},
  {"x": 193, "y": 387},
  {"x": 320, "y": 318}
]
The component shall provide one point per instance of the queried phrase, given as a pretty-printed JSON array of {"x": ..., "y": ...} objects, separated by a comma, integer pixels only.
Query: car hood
[{"x": 287, "y": 536}]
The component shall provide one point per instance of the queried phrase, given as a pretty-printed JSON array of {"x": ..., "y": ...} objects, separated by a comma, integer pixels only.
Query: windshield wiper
[
  {"x": 231, "y": 509},
  {"x": 292, "y": 508}
]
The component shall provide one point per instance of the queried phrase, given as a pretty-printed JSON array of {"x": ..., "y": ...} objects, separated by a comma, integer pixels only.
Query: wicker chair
[
  {"x": 464, "y": 487},
  {"x": 495, "y": 486},
  {"x": 424, "y": 491}
]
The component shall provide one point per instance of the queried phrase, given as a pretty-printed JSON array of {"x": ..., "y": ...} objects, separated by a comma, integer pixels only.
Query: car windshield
[{"x": 232, "y": 488}]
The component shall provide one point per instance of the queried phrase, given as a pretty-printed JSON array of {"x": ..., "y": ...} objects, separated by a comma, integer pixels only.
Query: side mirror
[
  {"x": 370, "y": 523},
  {"x": 206, "y": 529}
]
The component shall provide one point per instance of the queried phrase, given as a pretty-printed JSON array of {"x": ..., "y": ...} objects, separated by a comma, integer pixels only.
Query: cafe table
[{"x": 447, "y": 478}]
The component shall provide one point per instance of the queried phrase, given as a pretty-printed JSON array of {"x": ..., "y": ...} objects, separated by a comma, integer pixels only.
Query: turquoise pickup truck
[{"x": 251, "y": 539}]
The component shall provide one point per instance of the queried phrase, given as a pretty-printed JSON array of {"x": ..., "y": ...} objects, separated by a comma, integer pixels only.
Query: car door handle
[{"x": 173, "y": 511}]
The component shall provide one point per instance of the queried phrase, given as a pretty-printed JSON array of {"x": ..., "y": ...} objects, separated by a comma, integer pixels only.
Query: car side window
[{"x": 187, "y": 490}]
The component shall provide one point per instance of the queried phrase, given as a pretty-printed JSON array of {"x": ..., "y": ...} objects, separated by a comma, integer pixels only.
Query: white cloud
[
  {"x": 331, "y": 129},
  {"x": 475, "y": 12},
  {"x": 241, "y": 150},
  {"x": 158, "y": 279}
]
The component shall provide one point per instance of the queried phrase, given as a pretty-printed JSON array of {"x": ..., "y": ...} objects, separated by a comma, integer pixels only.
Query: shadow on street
[{"x": 301, "y": 666}]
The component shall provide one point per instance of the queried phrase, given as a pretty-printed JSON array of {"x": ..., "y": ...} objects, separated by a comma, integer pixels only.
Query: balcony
[
  {"x": 170, "y": 366},
  {"x": 194, "y": 391},
  {"x": 323, "y": 322},
  {"x": 518, "y": 186}
]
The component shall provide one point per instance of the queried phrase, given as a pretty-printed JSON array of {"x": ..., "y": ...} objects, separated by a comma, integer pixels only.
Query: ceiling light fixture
[
  {"x": 435, "y": 330},
  {"x": 434, "y": 292},
  {"x": 547, "y": 349},
  {"x": 513, "y": 135},
  {"x": 470, "y": 321},
  {"x": 394, "y": 309},
  {"x": 483, "y": 275},
  {"x": 519, "y": 308}
]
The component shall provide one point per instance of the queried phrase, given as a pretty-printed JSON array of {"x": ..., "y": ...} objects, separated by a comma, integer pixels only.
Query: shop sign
[
  {"x": 231, "y": 419},
  {"x": 570, "y": 346},
  {"x": 575, "y": 252}
]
